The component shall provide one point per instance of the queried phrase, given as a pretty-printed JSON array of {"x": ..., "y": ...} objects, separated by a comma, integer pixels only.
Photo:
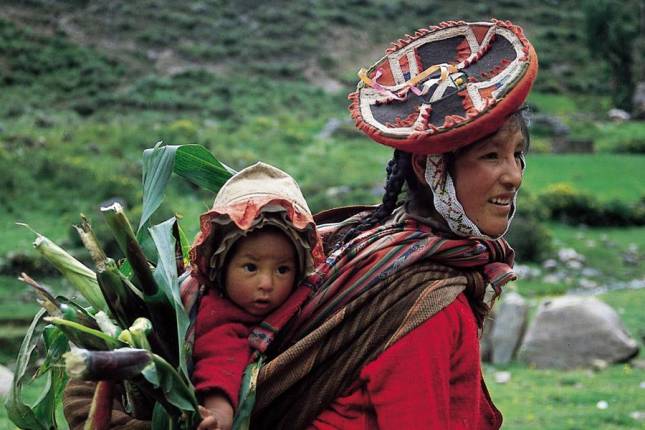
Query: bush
[
  {"x": 530, "y": 239},
  {"x": 632, "y": 146},
  {"x": 566, "y": 204}
]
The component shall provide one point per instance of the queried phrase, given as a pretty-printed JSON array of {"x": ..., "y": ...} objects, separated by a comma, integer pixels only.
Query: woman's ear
[{"x": 418, "y": 162}]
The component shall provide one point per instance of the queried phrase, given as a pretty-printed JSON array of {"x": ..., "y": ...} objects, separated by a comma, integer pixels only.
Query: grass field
[{"x": 606, "y": 176}]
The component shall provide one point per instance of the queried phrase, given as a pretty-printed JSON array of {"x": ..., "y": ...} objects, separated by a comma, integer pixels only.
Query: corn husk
[{"x": 79, "y": 275}]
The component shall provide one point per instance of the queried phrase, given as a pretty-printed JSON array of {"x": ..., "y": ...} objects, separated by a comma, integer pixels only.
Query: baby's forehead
[{"x": 265, "y": 244}]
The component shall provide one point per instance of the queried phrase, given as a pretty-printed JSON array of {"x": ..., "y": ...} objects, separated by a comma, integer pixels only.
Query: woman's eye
[
  {"x": 250, "y": 267},
  {"x": 490, "y": 156},
  {"x": 519, "y": 154}
]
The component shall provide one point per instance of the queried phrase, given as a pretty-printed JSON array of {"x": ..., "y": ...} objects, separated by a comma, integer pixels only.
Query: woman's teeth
[{"x": 501, "y": 202}]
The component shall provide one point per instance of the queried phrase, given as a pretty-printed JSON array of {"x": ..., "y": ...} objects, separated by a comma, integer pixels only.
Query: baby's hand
[{"x": 217, "y": 415}]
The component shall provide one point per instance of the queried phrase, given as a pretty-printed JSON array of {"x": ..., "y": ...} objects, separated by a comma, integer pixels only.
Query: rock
[
  {"x": 567, "y": 255},
  {"x": 565, "y": 145},
  {"x": 502, "y": 377},
  {"x": 618, "y": 115},
  {"x": 552, "y": 123},
  {"x": 638, "y": 363},
  {"x": 587, "y": 284},
  {"x": 597, "y": 364},
  {"x": 509, "y": 327},
  {"x": 330, "y": 128},
  {"x": 6, "y": 377},
  {"x": 570, "y": 332},
  {"x": 526, "y": 272},
  {"x": 550, "y": 264},
  {"x": 638, "y": 415},
  {"x": 335, "y": 192},
  {"x": 485, "y": 341},
  {"x": 590, "y": 272},
  {"x": 638, "y": 101}
]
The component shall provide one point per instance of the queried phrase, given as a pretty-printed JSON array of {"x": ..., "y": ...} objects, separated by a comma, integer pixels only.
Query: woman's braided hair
[{"x": 399, "y": 171}]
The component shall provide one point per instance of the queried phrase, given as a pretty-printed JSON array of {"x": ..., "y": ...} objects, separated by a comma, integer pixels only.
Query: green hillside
[{"x": 86, "y": 86}]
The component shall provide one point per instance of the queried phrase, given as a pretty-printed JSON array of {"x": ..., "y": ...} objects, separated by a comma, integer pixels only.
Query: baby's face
[{"x": 262, "y": 271}]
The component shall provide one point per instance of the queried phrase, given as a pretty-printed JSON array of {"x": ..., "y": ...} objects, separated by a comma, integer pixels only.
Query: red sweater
[
  {"x": 423, "y": 381},
  {"x": 221, "y": 350}
]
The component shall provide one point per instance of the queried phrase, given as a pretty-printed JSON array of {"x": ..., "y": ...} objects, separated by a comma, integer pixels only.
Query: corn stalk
[
  {"x": 160, "y": 309},
  {"x": 131, "y": 330}
]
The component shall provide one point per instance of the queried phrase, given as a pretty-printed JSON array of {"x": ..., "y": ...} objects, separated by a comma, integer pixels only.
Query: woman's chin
[{"x": 494, "y": 229}]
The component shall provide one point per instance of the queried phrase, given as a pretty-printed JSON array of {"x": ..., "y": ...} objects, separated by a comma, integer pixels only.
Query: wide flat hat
[{"x": 446, "y": 86}]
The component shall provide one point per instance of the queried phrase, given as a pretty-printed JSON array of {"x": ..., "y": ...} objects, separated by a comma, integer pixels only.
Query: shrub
[
  {"x": 632, "y": 146},
  {"x": 530, "y": 239},
  {"x": 566, "y": 204}
]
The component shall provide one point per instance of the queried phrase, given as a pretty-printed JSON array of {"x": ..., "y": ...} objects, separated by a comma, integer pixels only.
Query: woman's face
[{"x": 487, "y": 174}]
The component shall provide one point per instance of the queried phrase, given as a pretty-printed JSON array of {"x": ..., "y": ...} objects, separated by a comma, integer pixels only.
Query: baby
[{"x": 255, "y": 245}]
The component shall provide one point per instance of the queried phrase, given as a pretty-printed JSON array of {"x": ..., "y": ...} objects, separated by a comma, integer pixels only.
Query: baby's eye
[
  {"x": 284, "y": 270},
  {"x": 519, "y": 154},
  {"x": 250, "y": 267}
]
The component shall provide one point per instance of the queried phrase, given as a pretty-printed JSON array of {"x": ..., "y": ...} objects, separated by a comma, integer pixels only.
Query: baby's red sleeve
[{"x": 221, "y": 351}]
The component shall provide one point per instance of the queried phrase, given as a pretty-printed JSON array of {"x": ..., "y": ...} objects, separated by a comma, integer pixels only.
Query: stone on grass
[
  {"x": 638, "y": 101},
  {"x": 485, "y": 341},
  {"x": 6, "y": 377},
  {"x": 618, "y": 115},
  {"x": 502, "y": 377},
  {"x": 571, "y": 332},
  {"x": 510, "y": 323}
]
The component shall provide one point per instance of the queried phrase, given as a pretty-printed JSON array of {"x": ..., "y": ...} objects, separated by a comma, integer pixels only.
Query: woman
[{"x": 389, "y": 338}]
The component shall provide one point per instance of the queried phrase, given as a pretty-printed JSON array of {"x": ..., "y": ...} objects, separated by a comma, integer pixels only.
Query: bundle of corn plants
[{"x": 132, "y": 328}]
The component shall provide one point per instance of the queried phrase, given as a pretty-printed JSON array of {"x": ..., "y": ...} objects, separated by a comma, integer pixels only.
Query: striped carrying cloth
[{"x": 368, "y": 294}]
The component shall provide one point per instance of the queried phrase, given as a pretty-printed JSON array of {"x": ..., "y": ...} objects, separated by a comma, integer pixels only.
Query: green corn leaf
[
  {"x": 158, "y": 164},
  {"x": 88, "y": 337},
  {"x": 242, "y": 419},
  {"x": 161, "y": 420},
  {"x": 174, "y": 387},
  {"x": 196, "y": 164},
  {"x": 56, "y": 344},
  {"x": 166, "y": 277},
  {"x": 185, "y": 244},
  {"x": 51, "y": 397},
  {"x": 193, "y": 162},
  {"x": 23, "y": 415}
]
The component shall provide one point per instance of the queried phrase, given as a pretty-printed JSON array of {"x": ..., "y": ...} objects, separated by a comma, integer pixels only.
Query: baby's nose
[{"x": 266, "y": 282}]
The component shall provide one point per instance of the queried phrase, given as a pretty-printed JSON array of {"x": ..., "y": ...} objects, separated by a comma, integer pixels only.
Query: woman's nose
[{"x": 512, "y": 175}]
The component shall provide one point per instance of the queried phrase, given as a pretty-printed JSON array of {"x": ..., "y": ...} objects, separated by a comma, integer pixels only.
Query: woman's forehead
[{"x": 509, "y": 134}]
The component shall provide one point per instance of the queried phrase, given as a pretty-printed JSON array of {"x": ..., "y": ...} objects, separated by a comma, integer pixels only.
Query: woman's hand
[{"x": 217, "y": 413}]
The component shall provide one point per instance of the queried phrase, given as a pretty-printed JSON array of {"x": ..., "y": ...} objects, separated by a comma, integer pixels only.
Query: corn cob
[{"x": 117, "y": 364}]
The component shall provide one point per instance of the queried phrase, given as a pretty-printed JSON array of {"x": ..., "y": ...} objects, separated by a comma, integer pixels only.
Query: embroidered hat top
[{"x": 445, "y": 87}]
